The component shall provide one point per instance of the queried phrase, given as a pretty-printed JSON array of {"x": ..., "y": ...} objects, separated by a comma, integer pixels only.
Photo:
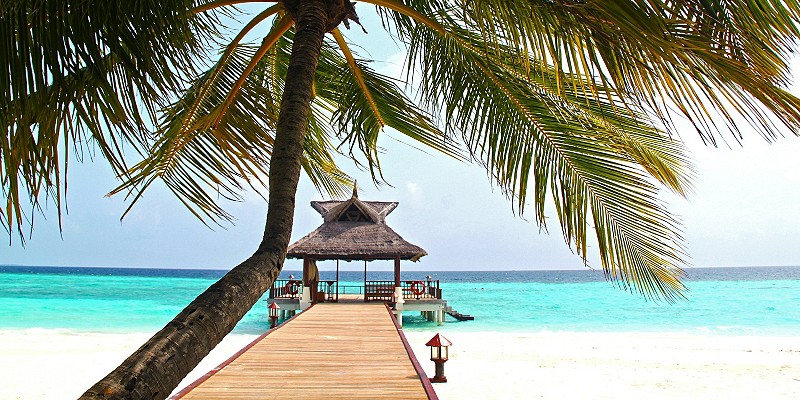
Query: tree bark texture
[{"x": 155, "y": 369}]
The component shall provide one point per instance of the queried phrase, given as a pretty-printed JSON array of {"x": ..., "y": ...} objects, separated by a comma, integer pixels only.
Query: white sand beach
[
  {"x": 564, "y": 365},
  {"x": 54, "y": 364}
]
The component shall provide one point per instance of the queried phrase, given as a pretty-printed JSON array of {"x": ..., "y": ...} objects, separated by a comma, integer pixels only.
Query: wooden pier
[
  {"x": 329, "y": 351},
  {"x": 424, "y": 296}
]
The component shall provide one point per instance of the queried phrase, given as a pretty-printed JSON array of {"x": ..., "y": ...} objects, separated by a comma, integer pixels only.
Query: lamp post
[
  {"x": 273, "y": 314},
  {"x": 439, "y": 345},
  {"x": 428, "y": 286}
]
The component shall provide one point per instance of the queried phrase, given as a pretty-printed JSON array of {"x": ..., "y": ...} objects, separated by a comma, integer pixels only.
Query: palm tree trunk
[{"x": 156, "y": 368}]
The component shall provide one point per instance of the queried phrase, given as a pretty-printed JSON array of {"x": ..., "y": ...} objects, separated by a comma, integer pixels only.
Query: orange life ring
[
  {"x": 418, "y": 288},
  {"x": 291, "y": 287}
]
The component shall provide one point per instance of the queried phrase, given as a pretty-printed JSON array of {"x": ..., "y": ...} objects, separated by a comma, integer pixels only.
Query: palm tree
[{"x": 560, "y": 99}]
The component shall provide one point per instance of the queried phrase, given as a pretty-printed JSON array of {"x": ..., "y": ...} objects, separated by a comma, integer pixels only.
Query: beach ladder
[{"x": 457, "y": 315}]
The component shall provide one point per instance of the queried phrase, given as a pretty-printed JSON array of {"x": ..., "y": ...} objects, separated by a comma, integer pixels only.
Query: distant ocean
[{"x": 729, "y": 301}]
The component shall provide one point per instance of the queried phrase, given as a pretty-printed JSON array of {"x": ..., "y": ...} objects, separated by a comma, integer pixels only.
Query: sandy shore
[
  {"x": 616, "y": 366},
  {"x": 53, "y": 364}
]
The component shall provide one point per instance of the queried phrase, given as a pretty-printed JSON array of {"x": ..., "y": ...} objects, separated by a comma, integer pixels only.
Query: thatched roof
[{"x": 354, "y": 230}]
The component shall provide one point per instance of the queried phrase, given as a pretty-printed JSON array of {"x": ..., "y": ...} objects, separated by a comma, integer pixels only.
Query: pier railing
[
  {"x": 372, "y": 290},
  {"x": 293, "y": 289},
  {"x": 384, "y": 290},
  {"x": 286, "y": 288},
  {"x": 421, "y": 289}
]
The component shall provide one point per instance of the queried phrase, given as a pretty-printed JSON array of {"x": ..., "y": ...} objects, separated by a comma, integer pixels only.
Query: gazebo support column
[
  {"x": 398, "y": 293},
  {"x": 337, "y": 280},
  {"x": 397, "y": 272},
  {"x": 306, "y": 295}
]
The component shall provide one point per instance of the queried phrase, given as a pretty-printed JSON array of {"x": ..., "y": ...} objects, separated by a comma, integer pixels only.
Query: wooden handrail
[{"x": 373, "y": 290}]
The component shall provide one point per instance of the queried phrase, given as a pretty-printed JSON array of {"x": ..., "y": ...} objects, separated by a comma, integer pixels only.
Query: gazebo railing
[
  {"x": 330, "y": 289},
  {"x": 412, "y": 290},
  {"x": 379, "y": 291},
  {"x": 372, "y": 290}
]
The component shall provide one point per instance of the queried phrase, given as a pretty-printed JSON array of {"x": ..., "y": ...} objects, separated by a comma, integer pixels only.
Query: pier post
[
  {"x": 306, "y": 295},
  {"x": 398, "y": 293},
  {"x": 398, "y": 304},
  {"x": 305, "y": 298}
]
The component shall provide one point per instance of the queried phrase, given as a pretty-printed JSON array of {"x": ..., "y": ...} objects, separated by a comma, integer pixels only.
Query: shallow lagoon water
[{"x": 735, "y": 301}]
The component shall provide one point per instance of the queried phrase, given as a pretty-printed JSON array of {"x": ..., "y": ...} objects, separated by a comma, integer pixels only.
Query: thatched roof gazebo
[
  {"x": 353, "y": 230},
  {"x": 356, "y": 230}
]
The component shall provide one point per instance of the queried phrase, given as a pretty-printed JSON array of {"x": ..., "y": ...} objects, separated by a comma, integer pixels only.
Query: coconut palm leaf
[
  {"x": 590, "y": 154},
  {"x": 708, "y": 59},
  {"x": 220, "y": 133},
  {"x": 196, "y": 151},
  {"x": 367, "y": 101},
  {"x": 85, "y": 72}
]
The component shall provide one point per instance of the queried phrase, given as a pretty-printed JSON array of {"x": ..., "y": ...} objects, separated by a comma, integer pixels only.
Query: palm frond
[
  {"x": 190, "y": 154},
  {"x": 591, "y": 154},
  {"x": 364, "y": 101},
  {"x": 714, "y": 60},
  {"x": 319, "y": 163},
  {"x": 219, "y": 135},
  {"x": 85, "y": 72},
  {"x": 281, "y": 26}
]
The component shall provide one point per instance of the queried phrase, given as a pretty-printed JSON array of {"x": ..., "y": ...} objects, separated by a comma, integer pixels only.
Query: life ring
[
  {"x": 418, "y": 288},
  {"x": 291, "y": 287}
]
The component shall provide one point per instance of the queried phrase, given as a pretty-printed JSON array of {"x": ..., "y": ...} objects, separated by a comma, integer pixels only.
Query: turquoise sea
[{"x": 729, "y": 301}]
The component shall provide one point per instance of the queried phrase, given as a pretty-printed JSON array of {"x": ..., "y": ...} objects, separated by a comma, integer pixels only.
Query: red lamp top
[
  {"x": 274, "y": 306},
  {"x": 438, "y": 341}
]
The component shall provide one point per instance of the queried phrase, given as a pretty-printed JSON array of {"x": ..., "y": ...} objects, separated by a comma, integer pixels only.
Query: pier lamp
[
  {"x": 439, "y": 345},
  {"x": 273, "y": 314}
]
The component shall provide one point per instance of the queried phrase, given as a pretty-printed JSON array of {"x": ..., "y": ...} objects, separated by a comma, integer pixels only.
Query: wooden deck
[{"x": 330, "y": 351}]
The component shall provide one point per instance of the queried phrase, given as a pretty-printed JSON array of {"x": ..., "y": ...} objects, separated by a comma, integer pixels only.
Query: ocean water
[{"x": 731, "y": 301}]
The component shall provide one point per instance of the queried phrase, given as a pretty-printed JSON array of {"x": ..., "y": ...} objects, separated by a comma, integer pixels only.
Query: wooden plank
[{"x": 331, "y": 351}]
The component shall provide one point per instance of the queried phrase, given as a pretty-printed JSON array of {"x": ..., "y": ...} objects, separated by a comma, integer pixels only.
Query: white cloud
[{"x": 414, "y": 192}]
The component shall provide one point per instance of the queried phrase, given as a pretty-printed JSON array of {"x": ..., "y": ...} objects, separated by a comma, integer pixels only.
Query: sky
[{"x": 743, "y": 212}]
